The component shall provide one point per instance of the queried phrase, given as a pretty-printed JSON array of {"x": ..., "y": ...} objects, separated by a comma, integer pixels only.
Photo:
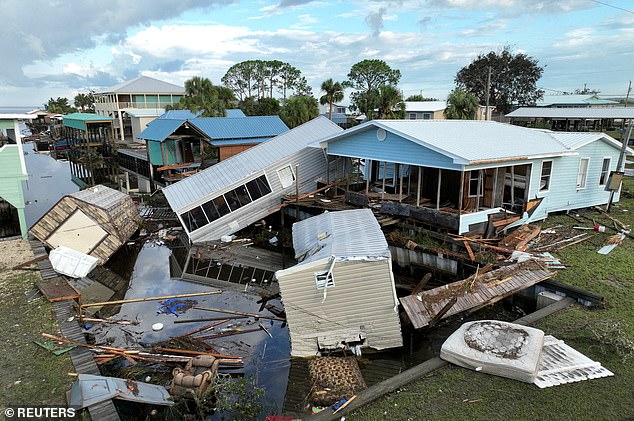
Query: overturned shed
[
  {"x": 247, "y": 187},
  {"x": 341, "y": 294},
  {"x": 96, "y": 221}
]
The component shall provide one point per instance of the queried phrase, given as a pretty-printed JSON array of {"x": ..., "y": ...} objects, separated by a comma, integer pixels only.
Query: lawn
[
  {"x": 29, "y": 375},
  {"x": 605, "y": 334}
]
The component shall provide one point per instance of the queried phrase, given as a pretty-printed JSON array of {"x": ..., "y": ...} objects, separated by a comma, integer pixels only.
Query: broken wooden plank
[
  {"x": 443, "y": 311},
  {"x": 241, "y": 313},
  {"x": 162, "y": 297},
  {"x": 468, "y": 247},
  {"x": 30, "y": 262},
  {"x": 418, "y": 288}
]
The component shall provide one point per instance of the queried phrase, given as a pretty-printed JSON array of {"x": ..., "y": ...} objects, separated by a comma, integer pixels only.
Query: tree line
[{"x": 273, "y": 87}]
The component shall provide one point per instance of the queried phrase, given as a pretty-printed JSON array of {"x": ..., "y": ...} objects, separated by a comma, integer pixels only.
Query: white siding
[
  {"x": 362, "y": 300},
  {"x": 312, "y": 166},
  {"x": 563, "y": 193}
]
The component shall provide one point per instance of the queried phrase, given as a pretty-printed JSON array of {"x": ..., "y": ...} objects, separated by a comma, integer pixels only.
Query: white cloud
[{"x": 172, "y": 41}]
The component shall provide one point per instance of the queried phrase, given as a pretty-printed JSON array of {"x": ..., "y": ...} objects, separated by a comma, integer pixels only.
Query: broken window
[
  {"x": 221, "y": 205},
  {"x": 324, "y": 279},
  {"x": 243, "y": 195},
  {"x": 258, "y": 187},
  {"x": 211, "y": 211},
  {"x": 544, "y": 182},
  {"x": 605, "y": 171},
  {"x": 287, "y": 178},
  {"x": 194, "y": 219},
  {"x": 232, "y": 199},
  {"x": 582, "y": 175}
]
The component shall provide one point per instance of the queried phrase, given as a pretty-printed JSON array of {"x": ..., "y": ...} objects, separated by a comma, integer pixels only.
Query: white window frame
[
  {"x": 582, "y": 178},
  {"x": 480, "y": 180},
  {"x": 279, "y": 174},
  {"x": 541, "y": 175},
  {"x": 606, "y": 172},
  {"x": 324, "y": 279}
]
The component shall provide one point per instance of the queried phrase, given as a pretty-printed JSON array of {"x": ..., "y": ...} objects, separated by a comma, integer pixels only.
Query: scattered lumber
[
  {"x": 222, "y": 335},
  {"x": 30, "y": 262},
  {"x": 188, "y": 352},
  {"x": 158, "y": 298},
  {"x": 611, "y": 218},
  {"x": 210, "y": 319},
  {"x": 241, "y": 313},
  {"x": 418, "y": 288},
  {"x": 206, "y": 327}
]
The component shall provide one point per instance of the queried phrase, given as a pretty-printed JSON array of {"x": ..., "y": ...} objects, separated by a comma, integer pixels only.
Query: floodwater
[
  {"x": 265, "y": 358},
  {"x": 49, "y": 180}
]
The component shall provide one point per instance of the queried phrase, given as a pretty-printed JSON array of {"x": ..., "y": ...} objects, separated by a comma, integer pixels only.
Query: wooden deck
[
  {"x": 81, "y": 357},
  {"x": 487, "y": 289}
]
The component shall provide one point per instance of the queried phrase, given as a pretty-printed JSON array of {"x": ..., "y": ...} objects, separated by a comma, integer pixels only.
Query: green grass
[
  {"x": 605, "y": 334},
  {"x": 29, "y": 375}
]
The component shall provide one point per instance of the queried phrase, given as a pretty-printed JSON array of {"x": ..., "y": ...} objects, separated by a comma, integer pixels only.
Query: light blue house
[{"x": 458, "y": 174}]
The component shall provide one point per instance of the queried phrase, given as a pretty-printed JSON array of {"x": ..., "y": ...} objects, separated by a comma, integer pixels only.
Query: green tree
[
  {"x": 59, "y": 106},
  {"x": 333, "y": 93},
  {"x": 298, "y": 110},
  {"x": 390, "y": 102},
  {"x": 260, "y": 78},
  {"x": 201, "y": 94},
  {"x": 461, "y": 105},
  {"x": 85, "y": 102},
  {"x": 513, "y": 79},
  {"x": 260, "y": 106},
  {"x": 366, "y": 77},
  {"x": 419, "y": 98}
]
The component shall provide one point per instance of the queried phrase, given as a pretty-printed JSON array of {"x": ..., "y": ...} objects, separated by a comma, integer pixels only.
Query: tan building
[{"x": 143, "y": 93}]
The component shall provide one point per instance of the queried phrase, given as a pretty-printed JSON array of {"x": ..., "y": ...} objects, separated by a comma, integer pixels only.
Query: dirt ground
[{"x": 29, "y": 375}]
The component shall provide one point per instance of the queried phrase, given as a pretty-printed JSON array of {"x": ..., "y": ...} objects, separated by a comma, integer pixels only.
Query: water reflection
[
  {"x": 49, "y": 180},
  {"x": 266, "y": 358}
]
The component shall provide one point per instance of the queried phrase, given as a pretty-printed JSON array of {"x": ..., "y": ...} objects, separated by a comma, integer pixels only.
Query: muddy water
[
  {"x": 49, "y": 180},
  {"x": 266, "y": 358}
]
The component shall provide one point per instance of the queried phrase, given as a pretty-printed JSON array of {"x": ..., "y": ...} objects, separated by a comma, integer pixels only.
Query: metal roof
[
  {"x": 470, "y": 141},
  {"x": 245, "y": 163},
  {"x": 17, "y": 116},
  {"x": 143, "y": 85},
  {"x": 160, "y": 129},
  {"x": 144, "y": 113},
  {"x": 239, "y": 128},
  {"x": 234, "y": 113},
  {"x": 101, "y": 196},
  {"x": 140, "y": 153},
  {"x": 179, "y": 115},
  {"x": 234, "y": 142},
  {"x": 348, "y": 234},
  {"x": 587, "y": 113},
  {"x": 583, "y": 100},
  {"x": 425, "y": 106},
  {"x": 79, "y": 120}
]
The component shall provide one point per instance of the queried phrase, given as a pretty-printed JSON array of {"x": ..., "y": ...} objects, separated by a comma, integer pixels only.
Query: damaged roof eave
[
  {"x": 519, "y": 158},
  {"x": 319, "y": 263}
]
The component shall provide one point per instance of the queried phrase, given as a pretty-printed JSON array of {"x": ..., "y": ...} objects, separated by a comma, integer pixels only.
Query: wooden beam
[
  {"x": 163, "y": 297},
  {"x": 438, "y": 189},
  {"x": 30, "y": 262},
  {"x": 418, "y": 186},
  {"x": 418, "y": 288},
  {"x": 461, "y": 192},
  {"x": 241, "y": 313}
]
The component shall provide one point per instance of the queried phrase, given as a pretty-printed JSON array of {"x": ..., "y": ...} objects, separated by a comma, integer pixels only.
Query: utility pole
[
  {"x": 488, "y": 93},
  {"x": 619, "y": 165},
  {"x": 627, "y": 97}
]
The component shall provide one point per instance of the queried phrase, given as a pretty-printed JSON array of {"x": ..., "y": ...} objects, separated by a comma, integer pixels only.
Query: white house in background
[
  {"x": 244, "y": 188},
  {"x": 142, "y": 93},
  {"x": 425, "y": 110},
  {"x": 139, "y": 120},
  {"x": 341, "y": 294}
]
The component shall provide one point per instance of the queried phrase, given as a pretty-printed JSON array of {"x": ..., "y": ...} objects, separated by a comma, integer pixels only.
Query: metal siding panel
[
  {"x": 362, "y": 296},
  {"x": 393, "y": 149}
]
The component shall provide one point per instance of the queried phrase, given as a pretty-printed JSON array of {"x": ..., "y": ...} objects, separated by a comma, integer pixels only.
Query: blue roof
[
  {"x": 243, "y": 141},
  {"x": 240, "y": 128},
  {"x": 235, "y": 113},
  {"x": 337, "y": 118},
  {"x": 179, "y": 115},
  {"x": 160, "y": 129}
]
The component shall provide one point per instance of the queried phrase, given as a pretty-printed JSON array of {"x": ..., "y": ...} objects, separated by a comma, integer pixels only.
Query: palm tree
[
  {"x": 390, "y": 102},
  {"x": 334, "y": 93},
  {"x": 461, "y": 105}
]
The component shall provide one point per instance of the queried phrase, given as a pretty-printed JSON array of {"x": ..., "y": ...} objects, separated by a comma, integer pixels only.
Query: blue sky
[{"x": 59, "y": 48}]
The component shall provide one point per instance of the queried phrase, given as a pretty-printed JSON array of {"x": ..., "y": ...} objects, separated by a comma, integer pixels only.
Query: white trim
[
  {"x": 607, "y": 173},
  {"x": 541, "y": 175},
  {"x": 290, "y": 167},
  {"x": 582, "y": 184}
]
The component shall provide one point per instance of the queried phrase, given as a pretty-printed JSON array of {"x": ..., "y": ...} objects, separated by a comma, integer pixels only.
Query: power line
[{"x": 612, "y": 6}]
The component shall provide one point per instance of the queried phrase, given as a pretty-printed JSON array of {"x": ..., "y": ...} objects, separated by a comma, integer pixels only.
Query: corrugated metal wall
[
  {"x": 312, "y": 166},
  {"x": 362, "y": 299}
]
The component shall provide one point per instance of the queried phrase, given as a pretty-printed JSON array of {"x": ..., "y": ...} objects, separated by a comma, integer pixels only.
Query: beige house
[
  {"x": 143, "y": 93},
  {"x": 435, "y": 110},
  {"x": 341, "y": 295}
]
